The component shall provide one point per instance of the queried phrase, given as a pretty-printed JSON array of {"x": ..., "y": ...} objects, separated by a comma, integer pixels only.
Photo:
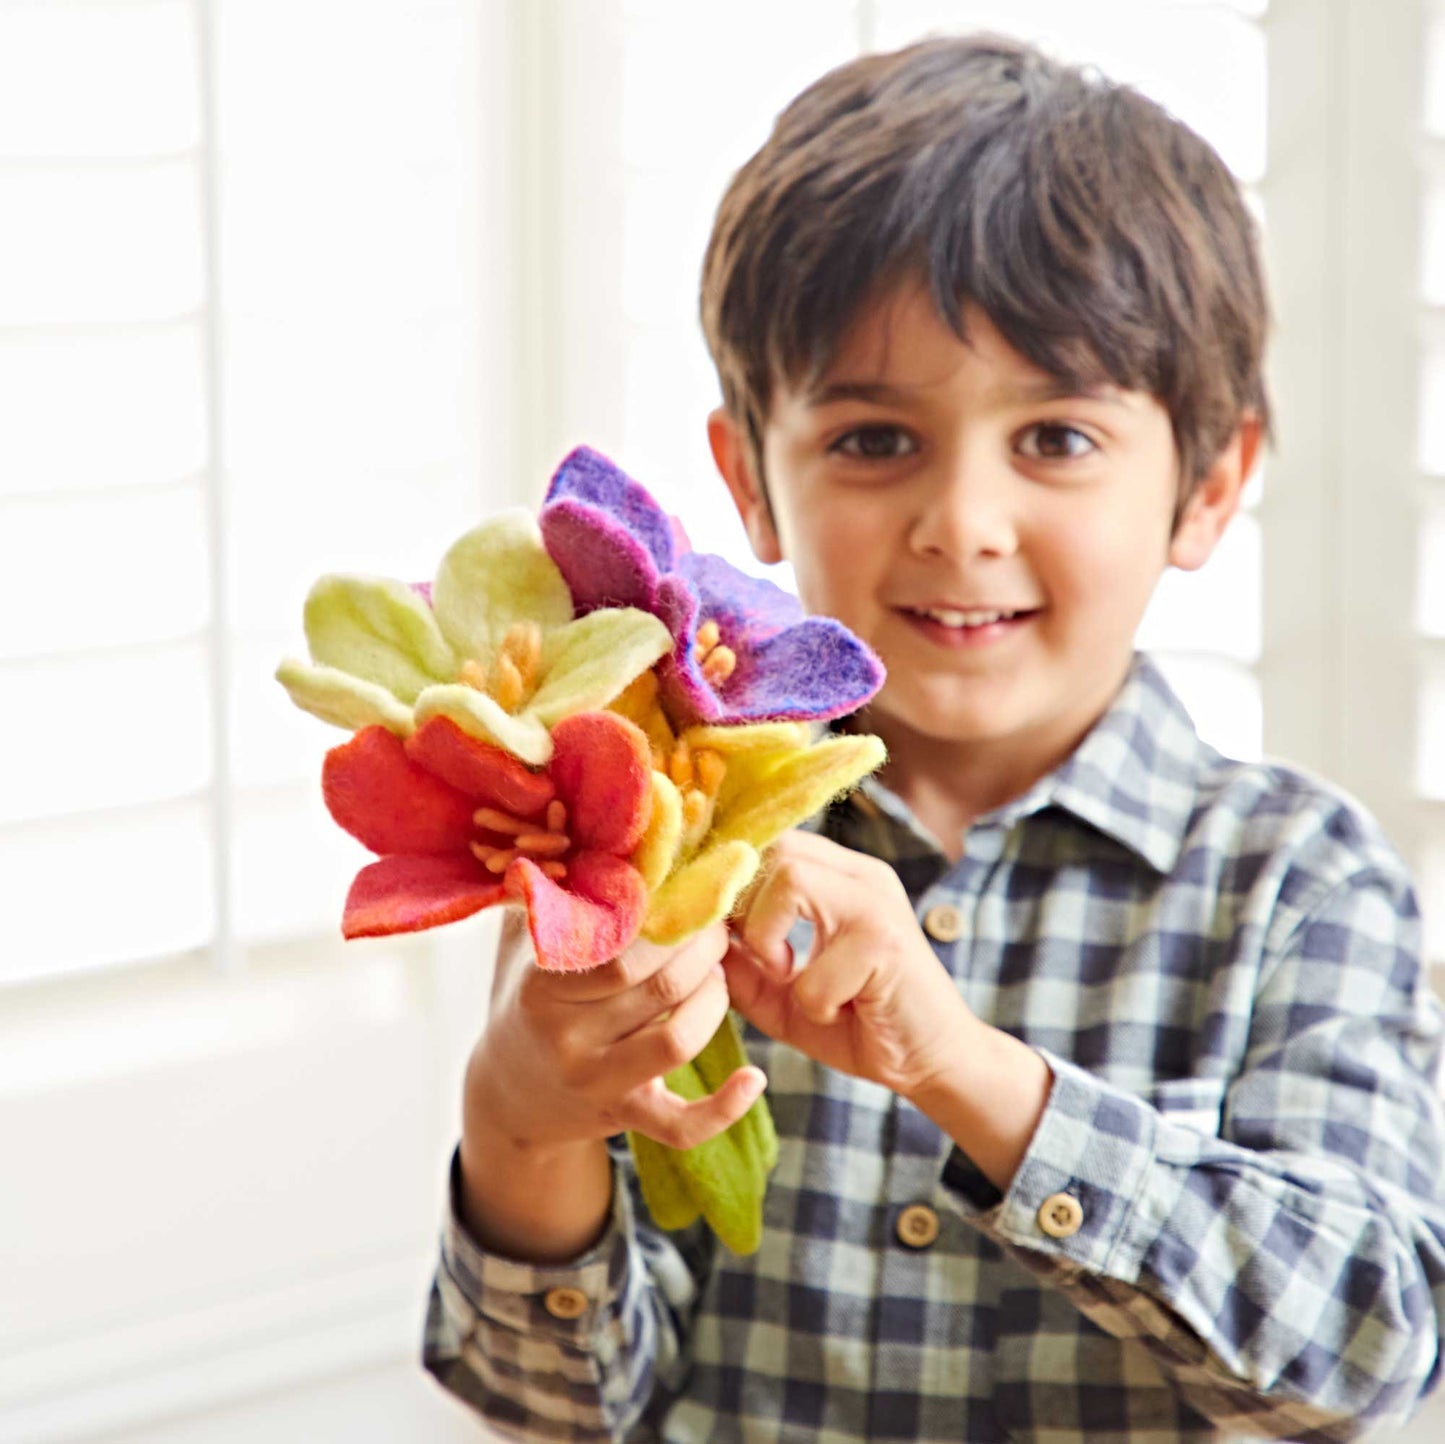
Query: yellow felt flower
[{"x": 721, "y": 794}]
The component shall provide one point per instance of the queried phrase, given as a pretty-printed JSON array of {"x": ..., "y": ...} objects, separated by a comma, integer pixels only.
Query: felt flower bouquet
[{"x": 583, "y": 717}]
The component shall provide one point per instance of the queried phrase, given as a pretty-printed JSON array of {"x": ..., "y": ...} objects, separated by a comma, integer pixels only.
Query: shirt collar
[{"x": 1135, "y": 775}]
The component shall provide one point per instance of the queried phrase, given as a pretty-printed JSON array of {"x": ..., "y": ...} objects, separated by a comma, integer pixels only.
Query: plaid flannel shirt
[{"x": 1220, "y": 963}]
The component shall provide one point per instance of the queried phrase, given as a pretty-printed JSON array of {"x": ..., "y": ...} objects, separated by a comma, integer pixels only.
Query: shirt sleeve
[
  {"x": 1280, "y": 1252},
  {"x": 580, "y": 1351}
]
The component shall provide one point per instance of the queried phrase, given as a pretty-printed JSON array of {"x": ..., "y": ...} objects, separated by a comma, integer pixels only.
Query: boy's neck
[{"x": 948, "y": 784}]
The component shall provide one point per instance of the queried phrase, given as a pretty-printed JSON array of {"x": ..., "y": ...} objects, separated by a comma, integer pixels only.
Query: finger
[
  {"x": 636, "y": 963},
  {"x": 773, "y": 1007},
  {"x": 769, "y": 915},
  {"x": 666, "y": 989},
  {"x": 654, "y": 1109},
  {"x": 804, "y": 877},
  {"x": 835, "y": 977},
  {"x": 670, "y": 1042}
]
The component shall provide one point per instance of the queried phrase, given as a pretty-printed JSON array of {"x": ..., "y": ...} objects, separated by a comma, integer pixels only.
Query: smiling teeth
[{"x": 950, "y": 618}]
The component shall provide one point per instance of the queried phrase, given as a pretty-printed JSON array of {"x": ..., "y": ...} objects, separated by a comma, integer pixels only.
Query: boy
[{"x": 1104, "y": 1079}]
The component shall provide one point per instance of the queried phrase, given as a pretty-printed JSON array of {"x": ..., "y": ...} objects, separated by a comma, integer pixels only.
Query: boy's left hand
[{"x": 872, "y": 999}]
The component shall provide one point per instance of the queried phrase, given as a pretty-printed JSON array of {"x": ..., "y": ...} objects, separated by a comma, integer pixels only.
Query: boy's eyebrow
[
  {"x": 1050, "y": 388},
  {"x": 877, "y": 391}
]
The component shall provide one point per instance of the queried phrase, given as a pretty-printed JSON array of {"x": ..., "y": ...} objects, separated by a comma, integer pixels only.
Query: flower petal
[
  {"x": 752, "y": 751},
  {"x": 380, "y": 631},
  {"x": 797, "y": 788},
  {"x": 497, "y": 574},
  {"x": 788, "y": 665},
  {"x": 479, "y": 772},
  {"x": 602, "y": 768},
  {"x": 406, "y": 894},
  {"x": 590, "y": 661},
  {"x": 585, "y": 920},
  {"x": 687, "y": 696},
  {"x": 523, "y": 734},
  {"x": 657, "y": 850},
  {"x": 342, "y": 699},
  {"x": 770, "y": 740},
  {"x": 700, "y": 892},
  {"x": 743, "y": 605},
  {"x": 588, "y": 476},
  {"x": 814, "y": 671},
  {"x": 388, "y": 802},
  {"x": 603, "y": 563}
]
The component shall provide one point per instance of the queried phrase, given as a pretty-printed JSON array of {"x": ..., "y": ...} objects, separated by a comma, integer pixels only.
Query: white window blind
[
  {"x": 1430, "y": 554},
  {"x": 239, "y": 345},
  {"x": 686, "y": 128}
]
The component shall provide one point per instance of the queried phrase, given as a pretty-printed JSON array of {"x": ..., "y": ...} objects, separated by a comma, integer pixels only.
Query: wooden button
[
  {"x": 1061, "y": 1215},
  {"x": 943, "y": 923},
  {"x": 565, "y": 1303},
  {"x": 917, "y": 1226}
]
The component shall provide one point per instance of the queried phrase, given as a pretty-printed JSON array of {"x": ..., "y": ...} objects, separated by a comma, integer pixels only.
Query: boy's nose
[{"x": 966, "y": 512}]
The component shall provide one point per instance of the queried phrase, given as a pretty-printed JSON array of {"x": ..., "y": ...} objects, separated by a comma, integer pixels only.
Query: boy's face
[{"x": 995, "y": 539}]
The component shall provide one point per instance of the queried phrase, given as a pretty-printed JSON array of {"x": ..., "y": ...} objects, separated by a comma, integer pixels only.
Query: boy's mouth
[{"x": 972, "y": 626}]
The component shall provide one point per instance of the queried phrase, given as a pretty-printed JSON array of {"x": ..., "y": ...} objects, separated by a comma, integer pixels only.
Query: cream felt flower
[{"x": 494, "y": 647}]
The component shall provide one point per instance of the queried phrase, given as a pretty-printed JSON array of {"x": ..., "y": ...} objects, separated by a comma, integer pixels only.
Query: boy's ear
[
  {"x": 1215, "y": 499},
  {"x": 731, "y": 453}
]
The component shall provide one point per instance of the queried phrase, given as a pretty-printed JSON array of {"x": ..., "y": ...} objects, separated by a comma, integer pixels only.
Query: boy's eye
[
  {"x": 1054, "y": 441},
  {"x": 875, "y": 443}
]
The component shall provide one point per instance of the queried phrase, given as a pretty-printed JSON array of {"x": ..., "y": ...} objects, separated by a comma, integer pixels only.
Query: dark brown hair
[{"x": 1103, "y": 238}]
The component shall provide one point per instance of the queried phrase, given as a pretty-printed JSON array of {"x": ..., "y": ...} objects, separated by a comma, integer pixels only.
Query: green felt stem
[{"x": 724, "y": 1178}]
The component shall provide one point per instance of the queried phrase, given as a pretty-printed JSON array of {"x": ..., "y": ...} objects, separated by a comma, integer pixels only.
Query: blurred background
[{"x": 292, "y": 286}]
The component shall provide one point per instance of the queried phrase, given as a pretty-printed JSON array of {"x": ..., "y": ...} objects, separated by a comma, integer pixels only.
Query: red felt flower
[{"x": 462, "y": 826}]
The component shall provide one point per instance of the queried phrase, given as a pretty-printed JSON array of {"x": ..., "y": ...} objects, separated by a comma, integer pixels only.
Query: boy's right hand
[{"x": 571, "y": 1058}]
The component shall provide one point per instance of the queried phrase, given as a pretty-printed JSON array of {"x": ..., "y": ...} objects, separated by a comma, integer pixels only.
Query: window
[{"x": 241, "y": 295}]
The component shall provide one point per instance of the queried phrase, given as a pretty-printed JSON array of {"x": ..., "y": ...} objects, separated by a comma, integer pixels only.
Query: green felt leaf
[
  {"x": 700, "y": 892},
  {"x": 587, "y": 663},
  {"x": 479, "y": 716},
  {"x": 380, "y": 631},
  {"x": 343, "y": 700},
  {"x": 726, "y": 1176},
  {"x": 724, "y": 1179},
  {"x": 797, "y": 788},
  {"x": 496, "y": 575},
  {"x": 754, "y": 1131},
  {"x": 665, "y": 1190}
]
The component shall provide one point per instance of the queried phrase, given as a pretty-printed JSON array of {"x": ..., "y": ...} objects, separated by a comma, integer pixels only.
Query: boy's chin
[{"x": 939, "y": 721}]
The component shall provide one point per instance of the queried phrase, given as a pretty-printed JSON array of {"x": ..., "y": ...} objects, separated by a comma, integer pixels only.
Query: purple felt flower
[{"x": 744, "y": 650}]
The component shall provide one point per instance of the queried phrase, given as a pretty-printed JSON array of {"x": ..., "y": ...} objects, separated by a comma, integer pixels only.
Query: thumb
[{"x": 655, "y": 1110}]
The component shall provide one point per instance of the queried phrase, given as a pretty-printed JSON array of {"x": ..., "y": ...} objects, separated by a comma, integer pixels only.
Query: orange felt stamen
[
  {"x": 556, "y": 815},
  {"x": 719, "y": 665},
  {"x": 523, "y": 646},
  {"x": 679, "y": 766},
  {"x": 710, "y": 769},
  {"x": 495, "y": 820},
  {"x": 546, "y": 844},
  {"x": 505, "y": 684},
  {"x": 494, "y": 859},
  {"x": 706, "y": 640},
  {"x": 473, "y": 674},
  {"x": 555, "y": 870}
]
